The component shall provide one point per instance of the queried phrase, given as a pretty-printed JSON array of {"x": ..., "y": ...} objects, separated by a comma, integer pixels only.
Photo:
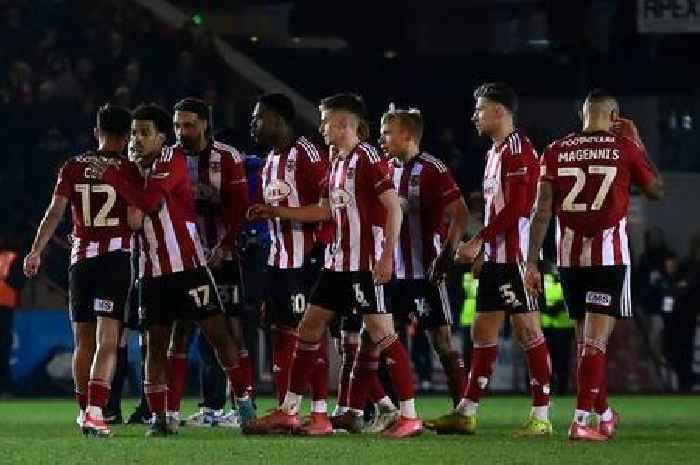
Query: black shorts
[
  {"x": 99, "y": 286},
  {"x": 597, "y": 289},
  {"x": 288, "y": 291},
  {"x": 185, "y": 295},
  {"x": 348, "y": 292},
  {"x": 502, "y": 288},
  {"x": 228, "y": 283},
  {"x": 420, "y": 300}
]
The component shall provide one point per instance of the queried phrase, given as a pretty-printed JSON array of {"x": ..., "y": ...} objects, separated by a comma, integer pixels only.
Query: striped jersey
[
  {"x": 170, "y": 242},
  {"x": 99, "y": 213},
  {"x": 294, "y": 178},
  {"x": 591, "y": 175},
  {"x": 510, "y": 187},
  {"x": 426, "y": 188},
  {"x": 355, "y": 183},
  {"x": 220, "y": 191}
]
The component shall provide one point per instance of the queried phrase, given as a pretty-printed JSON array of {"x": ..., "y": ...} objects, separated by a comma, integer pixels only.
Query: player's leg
[
  {"x": 155, "y": 385},
  {"x": 348, "y": 345},
  {"x": 112, "y": 411},
  {"x": 436, "y": 318},
  {"x": 101, "y": 373},
  {"x": 83, "y": 352},
  {"x": 178, "y": 349},
  {"x": 528, "y": 332}
]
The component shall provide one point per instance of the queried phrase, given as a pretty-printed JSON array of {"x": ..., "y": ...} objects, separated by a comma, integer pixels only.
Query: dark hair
[
  {"x": 351, "y": 103},
  {"x": 193, "y": 105},
  {"x": 498, "y": 92},
  {"x": 114, "y": 119},
  {"x": 280, "y": 104},
  {"x": 154, "y": 112}
]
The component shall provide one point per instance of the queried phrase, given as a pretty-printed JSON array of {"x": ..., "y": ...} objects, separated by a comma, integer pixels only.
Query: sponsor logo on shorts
[
  {"x": 104, "y": 306},
  {"x": 598, "y": 298}
]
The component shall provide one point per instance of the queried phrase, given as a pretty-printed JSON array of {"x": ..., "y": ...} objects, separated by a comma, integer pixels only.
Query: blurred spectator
[{"x": 11, "y": 282}]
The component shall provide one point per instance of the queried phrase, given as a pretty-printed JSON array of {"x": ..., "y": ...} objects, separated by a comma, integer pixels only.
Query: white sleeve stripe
[{"x": 310, "y": 149}]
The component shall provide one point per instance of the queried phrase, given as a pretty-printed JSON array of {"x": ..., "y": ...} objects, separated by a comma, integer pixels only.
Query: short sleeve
[
  {"x": 64, "y": 183},
  {"x": 441, "y": 186},
  {"x": 378, "y": 176}
]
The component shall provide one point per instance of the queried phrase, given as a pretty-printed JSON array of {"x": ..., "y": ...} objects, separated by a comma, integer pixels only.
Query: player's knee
[{"x": 594, "y": 346}]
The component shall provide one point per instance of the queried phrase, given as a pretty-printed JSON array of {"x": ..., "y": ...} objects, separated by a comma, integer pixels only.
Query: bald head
[{"x": 600, "y": 109}]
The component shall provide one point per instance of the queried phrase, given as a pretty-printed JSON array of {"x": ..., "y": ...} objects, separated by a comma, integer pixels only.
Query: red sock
[
  {"x": 362, "y": 373},
  {"x": 177, "y": 380},
  {"x": 246, "y": 370},
  {"x": 236, "y": 379},
  {"x": 453, "y": 364},
  {"x": 98, "y": 393},
  {"x": 483, "y": 359},
  {"x": 155, "y": 395},
  {"x": 590, "y": 377},
  {"x": 349, "y": 356},
  {"x": 601, "y": 401},
  {"x": 303, "y": 364},
  {"x": 284, "y": 347},
  {"x": 376, "y": 388},
  {"x": 81, "y": 399},
  {"x": 540, "y": 367},
  {"x": 399, "y": 366},
  {"x": 319, "y": 375}
]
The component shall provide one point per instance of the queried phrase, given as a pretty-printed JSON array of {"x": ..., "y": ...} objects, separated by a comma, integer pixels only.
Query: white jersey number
[
  {"x": 101, "y": 219},
  {"x": 569, "y": 204}
]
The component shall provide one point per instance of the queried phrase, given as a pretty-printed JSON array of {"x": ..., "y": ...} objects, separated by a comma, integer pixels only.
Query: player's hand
[
  {"x": 441, "y": 265},
  {"x": 625, "y": 127},
  {"x": 98, "y": 166},
  {"x": 533, "y": 280},
  {"x": 259, "y": 211},
  {"x": 467, "y": 251},
  {"x": 384, "y": 268},
  {"x": 32, "y": 262},
  {"x": 217, "y": 256}
]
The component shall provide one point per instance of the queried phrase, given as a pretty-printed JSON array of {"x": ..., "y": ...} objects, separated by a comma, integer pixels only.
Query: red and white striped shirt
[
  {"x": 426, "y": 187},
  {"x": 293, "y": 179},
  {"x": 220, "y": 193},
  {"x": 356, "y": 181},
  {"x": 510, "y": 187},
  {"x": 591, "y": 176},
  {"x": 99, "y": 213},
  {"x": 169, "y": 239}
]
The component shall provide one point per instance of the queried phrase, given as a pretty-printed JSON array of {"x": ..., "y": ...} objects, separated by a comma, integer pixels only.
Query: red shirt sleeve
[
  {"x": 314, "y": 169},
  {"x": 377, "y": 175},
  {"x": 168, "y": 172},
  {"x": 234, "y": 196},
  {"x": 515, "y": 190},
  {"x": 64, "y": 183},
  {"x": 441, "y": 187},
  {"x": 548, "y": 169},
  {"x": 639, "y": 166}
]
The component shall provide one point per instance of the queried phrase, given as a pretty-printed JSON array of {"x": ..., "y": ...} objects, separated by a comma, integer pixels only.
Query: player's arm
[
  {"x": 392, "y": 229},
  {"x": 458, "y": 219},
  {"x": 645, "y": 171},
  {"x": 538, "y": 231},
  {"x": 162, "y": 180},
  {"x": 306, "y": 214},
  {"x": 234, "y": 197},
  {"x": 134, "y": 217},
  {"x": 47, "y": 228}
]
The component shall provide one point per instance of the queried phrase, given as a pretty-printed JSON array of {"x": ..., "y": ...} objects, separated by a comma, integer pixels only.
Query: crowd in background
[{"x": 58, "y": 67}]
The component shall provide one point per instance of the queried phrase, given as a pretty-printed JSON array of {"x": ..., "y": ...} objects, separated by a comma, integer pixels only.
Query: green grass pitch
[{"x": 654, "y": 430}]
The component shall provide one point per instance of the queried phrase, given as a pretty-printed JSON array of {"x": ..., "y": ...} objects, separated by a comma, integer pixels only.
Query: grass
[{"x": 654, "y": 430}]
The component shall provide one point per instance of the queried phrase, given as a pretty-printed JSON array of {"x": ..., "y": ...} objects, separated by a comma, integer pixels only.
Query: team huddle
[{"x": 362, "y": 238}]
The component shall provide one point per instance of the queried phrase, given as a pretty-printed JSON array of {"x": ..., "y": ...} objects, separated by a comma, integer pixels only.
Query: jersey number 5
[
  {"x": 569, "y": 204},
  {"x": 101, "y": 219}
]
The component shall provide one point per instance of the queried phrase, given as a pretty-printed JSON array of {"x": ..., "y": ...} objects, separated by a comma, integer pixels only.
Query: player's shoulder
[
  {"x": 432, "y": 162},
  {"x": 171, "y": 153},
  {"x": 312, "y": 151},
  {"x": 518, "y": 144},
  {"x": 562, "y": 142},
  {"x": 227, "y": 151},
  {"x": 368, "y": 152}
]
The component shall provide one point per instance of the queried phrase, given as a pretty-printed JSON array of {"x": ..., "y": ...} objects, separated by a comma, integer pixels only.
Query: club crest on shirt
[
  {"x": 276, "y": 191},
  {"x": 350, "y": 173},
  {"x": 215, "y": 166},
  {"x": 291, "y": 165},
  {"x": 340, "y": 198}
]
